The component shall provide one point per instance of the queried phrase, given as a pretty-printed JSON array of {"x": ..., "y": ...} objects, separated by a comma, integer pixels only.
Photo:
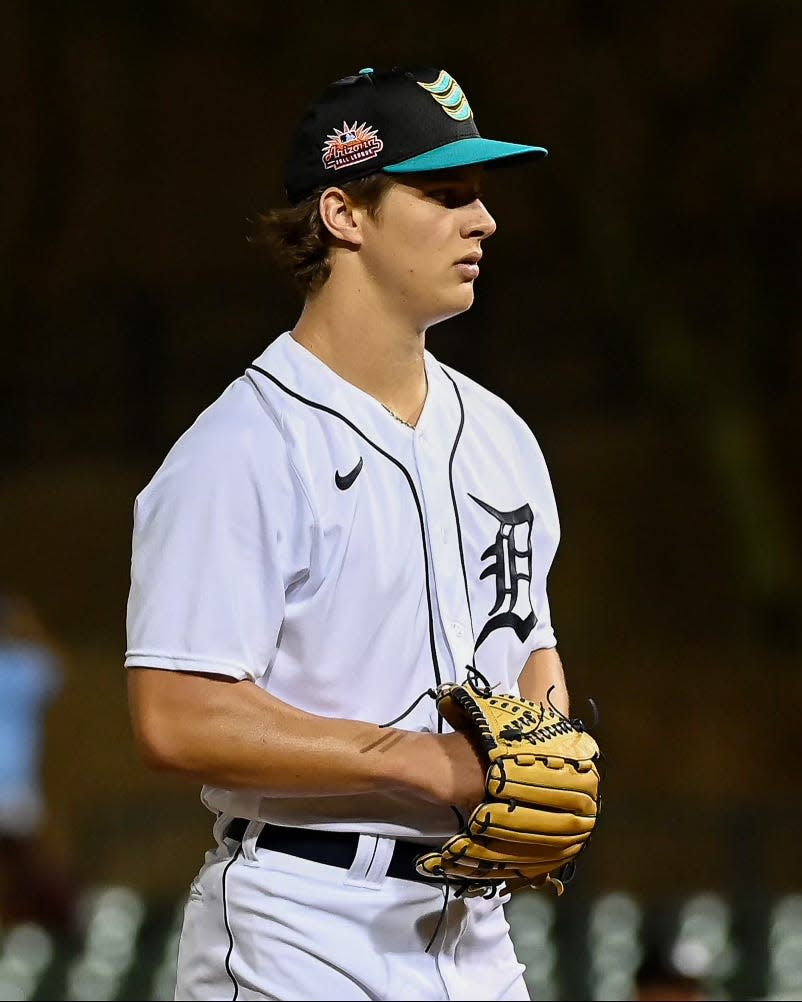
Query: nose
[{"x": 478, "y": 223}]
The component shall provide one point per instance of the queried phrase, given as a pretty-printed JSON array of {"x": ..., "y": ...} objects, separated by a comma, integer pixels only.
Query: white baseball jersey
[{"x": 300, "y": 536}]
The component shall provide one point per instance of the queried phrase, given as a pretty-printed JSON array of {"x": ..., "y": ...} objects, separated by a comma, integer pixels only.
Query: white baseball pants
[{"x": 262, "y": 924}]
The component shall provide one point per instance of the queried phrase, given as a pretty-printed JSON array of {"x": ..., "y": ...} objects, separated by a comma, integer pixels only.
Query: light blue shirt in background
[{"x": 30, "y": 676}]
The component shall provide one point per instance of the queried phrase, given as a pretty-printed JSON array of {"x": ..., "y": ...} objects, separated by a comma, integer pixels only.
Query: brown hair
[{"x": 300, "y": 240}]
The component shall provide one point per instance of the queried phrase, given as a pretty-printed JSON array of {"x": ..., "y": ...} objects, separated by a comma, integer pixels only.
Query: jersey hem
[{"x": 186, "y": 663}]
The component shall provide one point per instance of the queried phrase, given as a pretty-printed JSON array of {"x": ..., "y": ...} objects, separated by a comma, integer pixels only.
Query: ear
[{"x": 341, "y": 217}]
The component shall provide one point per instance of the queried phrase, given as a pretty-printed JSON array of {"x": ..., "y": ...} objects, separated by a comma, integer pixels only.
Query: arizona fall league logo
[
  {"x": 350, "y": 145},
  {"x": 510, "y": 564}
]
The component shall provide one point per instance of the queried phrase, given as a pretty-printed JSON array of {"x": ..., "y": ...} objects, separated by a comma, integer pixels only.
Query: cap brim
[{"x": 464, "y": 153}]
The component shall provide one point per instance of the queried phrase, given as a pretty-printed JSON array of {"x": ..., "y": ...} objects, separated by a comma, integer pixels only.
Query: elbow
[
  {"x": 172, "y": 716},
  {"x": 155, "y": 757},
  {"x": 162, "y": 732},
  {"x": 159, "y": 750}
]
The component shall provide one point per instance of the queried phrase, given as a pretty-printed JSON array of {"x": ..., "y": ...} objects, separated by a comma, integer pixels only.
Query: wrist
[
  {"x": 420, "y": 766},
  {"x": 442, "y": 769}
]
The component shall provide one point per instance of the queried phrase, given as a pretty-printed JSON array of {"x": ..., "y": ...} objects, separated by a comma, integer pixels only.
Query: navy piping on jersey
[
  {"x": 456, "y": 510},
  {"x": 230, "y": 973},
  {"x": 362, "y": 435}
]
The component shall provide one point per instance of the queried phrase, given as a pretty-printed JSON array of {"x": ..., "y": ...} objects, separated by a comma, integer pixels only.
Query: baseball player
[{"x": 348, "y": 525}]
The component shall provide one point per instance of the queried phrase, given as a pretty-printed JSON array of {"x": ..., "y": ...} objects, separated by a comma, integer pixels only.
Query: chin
[
  {"x": 464, "y": 298},
  {"x": 458, "y": 302},
  {"x": 449, "y": 303}
]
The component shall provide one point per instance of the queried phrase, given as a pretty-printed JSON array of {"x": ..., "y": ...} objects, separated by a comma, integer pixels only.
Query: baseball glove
[{"x": 541, "y": 794}]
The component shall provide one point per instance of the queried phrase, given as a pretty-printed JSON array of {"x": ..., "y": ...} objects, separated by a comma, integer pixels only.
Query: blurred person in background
[{"x": 34, "y": 886}]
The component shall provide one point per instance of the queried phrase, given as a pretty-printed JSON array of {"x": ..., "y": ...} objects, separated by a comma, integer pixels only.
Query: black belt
[{"x": 331, "y": 848}]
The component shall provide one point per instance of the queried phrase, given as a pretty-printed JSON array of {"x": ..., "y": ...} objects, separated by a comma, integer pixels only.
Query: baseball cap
[{"x": 399, "y": 120}]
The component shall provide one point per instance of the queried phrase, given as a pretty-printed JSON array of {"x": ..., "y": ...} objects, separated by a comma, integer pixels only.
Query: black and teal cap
[{"x": 399, "y": 121}]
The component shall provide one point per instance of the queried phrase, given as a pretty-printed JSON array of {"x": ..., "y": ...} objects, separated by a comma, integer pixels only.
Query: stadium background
[{"x": 639, "y": 307}]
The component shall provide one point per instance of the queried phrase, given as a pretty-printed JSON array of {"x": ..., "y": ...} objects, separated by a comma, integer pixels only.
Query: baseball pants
[{"x": 265, "y": 924}]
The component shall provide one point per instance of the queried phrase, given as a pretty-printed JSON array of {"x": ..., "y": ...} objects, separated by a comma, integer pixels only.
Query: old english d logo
[{"x": 511, "y": 556}]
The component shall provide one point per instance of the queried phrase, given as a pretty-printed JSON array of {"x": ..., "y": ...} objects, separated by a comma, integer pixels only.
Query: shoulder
[
  {"x": 248, "y": 417},
  {"x": 483, "y": 405},
  {"x": 237, "y": 439},
  {"x": 237, "y": 425}
]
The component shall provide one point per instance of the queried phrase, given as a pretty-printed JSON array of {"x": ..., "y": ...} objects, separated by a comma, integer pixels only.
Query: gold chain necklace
[{"x": 398, "y": 417}]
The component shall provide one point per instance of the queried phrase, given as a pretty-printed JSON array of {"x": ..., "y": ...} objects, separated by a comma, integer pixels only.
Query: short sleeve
[{"x": 219, "y": 534}]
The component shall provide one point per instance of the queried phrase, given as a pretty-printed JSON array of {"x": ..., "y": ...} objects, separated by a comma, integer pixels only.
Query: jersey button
[{"x": 456, "y": 629}]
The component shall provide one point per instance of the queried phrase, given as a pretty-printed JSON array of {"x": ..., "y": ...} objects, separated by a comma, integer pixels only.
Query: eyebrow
[{"x": 460, "y": 186}]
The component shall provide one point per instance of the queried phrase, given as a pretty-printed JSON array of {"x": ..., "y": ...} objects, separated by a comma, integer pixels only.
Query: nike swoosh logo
[{"x": 345, "y": 482}]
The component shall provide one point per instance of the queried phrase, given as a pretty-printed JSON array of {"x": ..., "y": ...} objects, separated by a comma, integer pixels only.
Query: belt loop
[
  {"x": 220, "y": 827},
  {"x": 372, "y": 858},
  {"x": 252, "y": 833}
]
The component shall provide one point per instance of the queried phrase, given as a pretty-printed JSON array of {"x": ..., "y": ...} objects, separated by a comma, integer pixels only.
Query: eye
[{"x": 453, "y": 198}]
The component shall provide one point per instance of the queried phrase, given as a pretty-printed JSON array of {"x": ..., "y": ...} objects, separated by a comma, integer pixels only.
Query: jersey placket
[{"x": 453, "y": 621}]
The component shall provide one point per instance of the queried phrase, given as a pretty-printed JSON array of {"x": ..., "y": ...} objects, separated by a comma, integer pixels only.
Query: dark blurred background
[{"x": 638, "y": 306}]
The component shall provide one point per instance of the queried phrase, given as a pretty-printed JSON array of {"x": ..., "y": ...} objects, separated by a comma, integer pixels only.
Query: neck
[{"x": 368, "y": 345}]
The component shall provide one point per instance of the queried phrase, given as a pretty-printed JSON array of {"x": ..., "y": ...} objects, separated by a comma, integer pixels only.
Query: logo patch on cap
[
  {"x": 351, "y": 145},
  {"x": 448, "y": 94}
]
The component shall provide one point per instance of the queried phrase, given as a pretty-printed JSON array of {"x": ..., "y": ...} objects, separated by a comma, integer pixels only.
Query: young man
[{"x": 348, "y": 525}]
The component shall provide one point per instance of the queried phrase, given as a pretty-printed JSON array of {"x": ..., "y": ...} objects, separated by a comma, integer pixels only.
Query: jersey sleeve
[{"x": 220, "y": 533}]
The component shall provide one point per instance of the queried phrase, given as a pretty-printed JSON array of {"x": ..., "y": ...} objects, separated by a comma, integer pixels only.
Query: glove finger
[
  {"x": 470, "y": 852},
  {"x": 533, "y": 847},
  {"x": 430, "y": 864},
  {"x": 435, "y": 865},
  {"x": 569, "y": 801},
  {"x": 561, "y": 787},
  {"x": 498, "y": 819},
  {"x": 470, "y": 872}
]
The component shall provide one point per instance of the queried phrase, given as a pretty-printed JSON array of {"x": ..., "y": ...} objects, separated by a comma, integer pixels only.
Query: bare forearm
[{"x": 233, "y": 734}]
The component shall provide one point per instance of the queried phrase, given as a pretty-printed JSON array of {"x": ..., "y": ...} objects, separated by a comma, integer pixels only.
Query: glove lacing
[{"x": 406, "y": 713}]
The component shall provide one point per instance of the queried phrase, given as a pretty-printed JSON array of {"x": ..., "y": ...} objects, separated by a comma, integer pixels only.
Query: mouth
[
  {"x": 468, "y": 266},
  {"x": 473, "y": 258}
]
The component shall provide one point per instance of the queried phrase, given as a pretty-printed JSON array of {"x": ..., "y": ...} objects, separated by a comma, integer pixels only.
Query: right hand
[{"x": 458, "y": 773}]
